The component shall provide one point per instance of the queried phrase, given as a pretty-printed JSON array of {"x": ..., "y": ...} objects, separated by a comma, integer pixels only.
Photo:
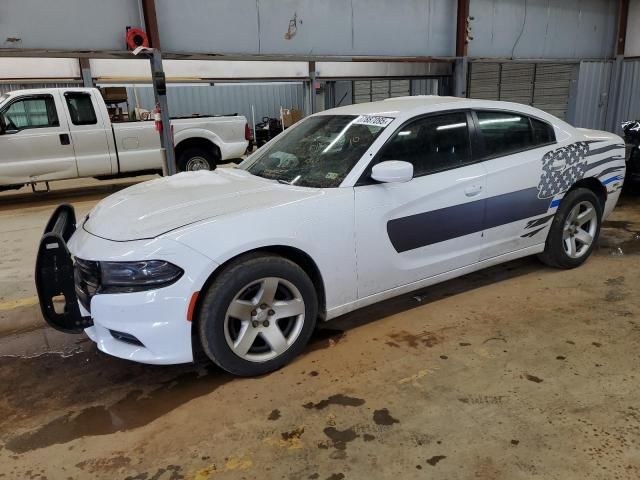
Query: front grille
[{"x": 86, "y": 275}]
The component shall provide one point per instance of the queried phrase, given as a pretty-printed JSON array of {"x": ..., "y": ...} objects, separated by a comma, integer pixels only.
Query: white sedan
[{"x": 349, "y": 207}]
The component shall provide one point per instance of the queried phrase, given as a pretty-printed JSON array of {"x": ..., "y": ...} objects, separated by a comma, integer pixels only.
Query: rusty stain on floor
[{"x": 516, "y": 372}]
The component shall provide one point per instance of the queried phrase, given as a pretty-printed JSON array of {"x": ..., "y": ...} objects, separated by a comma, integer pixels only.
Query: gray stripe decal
[
  {"x": 614, "y": 158},
  {"x": 533, "y": 233},
  {"x": 422, "y": 229},
  {"x": 538, "y": 221},
  {"x": 606, "y": 171},
  {"x": 598, "y": 151}
]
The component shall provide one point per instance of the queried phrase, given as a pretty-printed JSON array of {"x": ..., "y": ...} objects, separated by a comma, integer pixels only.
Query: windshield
[{"x": 319, "y": 151}]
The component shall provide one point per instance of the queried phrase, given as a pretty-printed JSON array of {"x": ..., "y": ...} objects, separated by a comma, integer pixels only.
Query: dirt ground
[{"x": 516, "y": 372}]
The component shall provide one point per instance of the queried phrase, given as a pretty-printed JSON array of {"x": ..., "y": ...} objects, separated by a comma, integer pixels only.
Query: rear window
[{"x": 81, "y": 108}]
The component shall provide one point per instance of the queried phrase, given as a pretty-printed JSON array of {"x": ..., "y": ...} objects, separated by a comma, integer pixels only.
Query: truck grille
[{"x": 86, "y": 276}]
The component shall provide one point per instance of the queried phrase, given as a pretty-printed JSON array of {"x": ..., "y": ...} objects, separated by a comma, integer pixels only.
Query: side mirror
[{"x": 392, "y": 171}]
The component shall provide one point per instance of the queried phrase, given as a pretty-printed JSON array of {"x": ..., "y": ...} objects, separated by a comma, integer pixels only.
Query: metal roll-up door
[
  {"x": 484, "y": 81},
  {"x": 543, "y": 85},
  {"x": 374, "y": 90},
  {"x": 516, "y": 84},
  {"x": 552, "y": 87}
]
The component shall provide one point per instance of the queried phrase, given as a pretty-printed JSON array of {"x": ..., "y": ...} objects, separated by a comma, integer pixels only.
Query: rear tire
[
  {"x": 574, "y": 230},
  {"x": 196, "y": 158},
  {"x": 257, "y": 315}
]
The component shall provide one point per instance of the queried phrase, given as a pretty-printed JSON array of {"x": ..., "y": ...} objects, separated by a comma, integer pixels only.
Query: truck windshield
[{"x": 319, "y": 151}]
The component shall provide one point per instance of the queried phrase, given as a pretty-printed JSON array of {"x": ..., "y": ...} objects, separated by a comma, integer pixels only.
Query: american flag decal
[{"x": 561, "y": 168}]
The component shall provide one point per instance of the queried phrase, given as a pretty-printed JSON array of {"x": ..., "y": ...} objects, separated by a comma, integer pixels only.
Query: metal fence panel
[
  {"x": 219, "y": 99},
  {"x": 592, "y": 95},
  {"x": 628, "y": 99}
]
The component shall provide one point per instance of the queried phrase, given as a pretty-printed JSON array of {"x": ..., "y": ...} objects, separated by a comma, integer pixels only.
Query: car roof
[
  {"x": 393, "y": 107},
  {"x": 418, "y": 104}
]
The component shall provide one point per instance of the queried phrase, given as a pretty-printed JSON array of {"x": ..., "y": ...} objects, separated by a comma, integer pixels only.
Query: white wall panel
[
  {"x": 327, "y": 27},
  {"x": 16, "y": 67},
  {"x": 543, "y": 28},
  {"x": 632, "y": 44},
  {"x": 67, "y": 24}
]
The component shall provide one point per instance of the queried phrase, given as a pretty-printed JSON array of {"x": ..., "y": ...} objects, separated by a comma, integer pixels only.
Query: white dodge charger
[{"x": 349, "y": 207}]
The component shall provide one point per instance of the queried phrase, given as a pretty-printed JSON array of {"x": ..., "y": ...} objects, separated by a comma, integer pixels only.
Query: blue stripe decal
[
  {"x": 422, "y": 229},
  {"x": 555, "y": 203},
  {"x": 612, "y": 179}
]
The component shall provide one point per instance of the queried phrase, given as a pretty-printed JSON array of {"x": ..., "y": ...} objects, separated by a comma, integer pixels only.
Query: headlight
[{"x": 125, "y": 277}]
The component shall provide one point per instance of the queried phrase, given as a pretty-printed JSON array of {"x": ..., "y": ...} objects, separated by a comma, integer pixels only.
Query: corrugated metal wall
[
  {"x": 8, "y": 87},
  {"x": 627, "y": 106},
  {"x": 592, "y": 95},
  {"x": 225, "y": 98},
  {"x": 425, "y": 86}
]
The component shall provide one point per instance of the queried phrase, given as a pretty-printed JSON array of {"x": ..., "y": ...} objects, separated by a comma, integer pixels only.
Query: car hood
[{"x": 152, "y": 208}]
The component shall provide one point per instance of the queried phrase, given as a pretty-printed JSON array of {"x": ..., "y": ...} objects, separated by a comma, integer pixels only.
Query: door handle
[
  {"x": 473, "y": 190},
  {"x": 65, "y": 139}
]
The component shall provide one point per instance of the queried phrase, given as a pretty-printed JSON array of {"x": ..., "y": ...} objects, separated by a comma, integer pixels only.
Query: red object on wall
[{"x": 136, "y": 38}]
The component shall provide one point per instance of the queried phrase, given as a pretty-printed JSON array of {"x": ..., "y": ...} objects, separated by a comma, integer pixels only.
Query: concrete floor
[{"x": 515, "y": 372}]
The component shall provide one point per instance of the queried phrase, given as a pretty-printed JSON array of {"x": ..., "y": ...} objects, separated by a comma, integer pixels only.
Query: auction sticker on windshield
[{"x": 374, "y": 120}]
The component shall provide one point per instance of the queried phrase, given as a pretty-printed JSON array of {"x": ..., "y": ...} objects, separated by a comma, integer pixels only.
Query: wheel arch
[
  {"x": 198, "y": 142},
  {"x": 297, "y": 256},
  {"x": 593, "y": 184}
]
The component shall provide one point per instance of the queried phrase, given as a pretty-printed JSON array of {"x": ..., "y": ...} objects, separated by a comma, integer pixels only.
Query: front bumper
[{"x": 155, "y": 319}]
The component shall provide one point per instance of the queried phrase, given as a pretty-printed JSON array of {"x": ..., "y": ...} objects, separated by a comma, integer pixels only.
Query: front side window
[
  {"x": 431, "y": 144},
  {"x": 81, "y": 109},
  {"x": 319, "y": 151},
  {"x": 30, "y": 112}
]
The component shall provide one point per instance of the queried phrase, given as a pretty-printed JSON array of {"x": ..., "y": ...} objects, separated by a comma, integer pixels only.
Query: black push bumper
[{"x": 54, "y": 274}]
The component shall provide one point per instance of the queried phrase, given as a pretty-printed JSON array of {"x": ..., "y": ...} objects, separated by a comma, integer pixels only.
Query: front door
[
  {"x": 34, "y": 146},
  {"x": 407, "y": 232}
]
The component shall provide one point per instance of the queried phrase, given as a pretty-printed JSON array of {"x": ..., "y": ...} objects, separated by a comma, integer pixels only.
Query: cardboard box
[{"x": 290, "y": 116}]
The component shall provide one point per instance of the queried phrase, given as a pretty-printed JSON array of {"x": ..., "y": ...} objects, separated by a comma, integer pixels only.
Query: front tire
[
  {"x": 257, "y": 315},
  {"x": 196, "y": 158},
  {"x": 574, "y": 230}
]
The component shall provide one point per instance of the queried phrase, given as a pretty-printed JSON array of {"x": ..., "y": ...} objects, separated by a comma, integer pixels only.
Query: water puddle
[
  {"x": 618, "y": 238},
  {"x": 136, "y": 409}
]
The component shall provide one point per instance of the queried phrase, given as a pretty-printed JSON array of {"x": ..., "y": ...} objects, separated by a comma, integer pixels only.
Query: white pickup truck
[{"x": 61, "y": 133}]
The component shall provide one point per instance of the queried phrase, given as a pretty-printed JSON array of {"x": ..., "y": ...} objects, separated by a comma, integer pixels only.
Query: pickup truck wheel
[
  {"x": 257, "y": 315},
  {"x": 195, "y": 158}
]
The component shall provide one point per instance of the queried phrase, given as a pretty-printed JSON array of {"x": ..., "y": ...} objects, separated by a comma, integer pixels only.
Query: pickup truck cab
[{"x": 62, "y": 133}]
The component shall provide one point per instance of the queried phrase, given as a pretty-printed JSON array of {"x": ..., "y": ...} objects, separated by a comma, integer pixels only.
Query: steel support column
[
  {"x": 85, "y": 73},
  {"x": 151, "y": 23}
]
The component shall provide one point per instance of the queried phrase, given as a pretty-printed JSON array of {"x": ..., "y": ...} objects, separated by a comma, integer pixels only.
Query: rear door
[
  {"x": 35, "y": 145},
  {"x": 407, "y": 232},
  {"x": 517, "y": 212},
  {"x": 89, "y": 134}
]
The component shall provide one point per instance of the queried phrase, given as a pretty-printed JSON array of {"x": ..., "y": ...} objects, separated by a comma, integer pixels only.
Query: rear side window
[
  {"x": 431, "y": 144},
  {"x": 505, "y": 133},
  {"x": 542, "y": 132},
  {"x": 31, "y": 112},
  {"x": 81, "y": 108}
]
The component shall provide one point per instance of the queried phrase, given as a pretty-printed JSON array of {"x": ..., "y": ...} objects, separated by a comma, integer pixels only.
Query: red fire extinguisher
[{"x": 157, "y": 119}]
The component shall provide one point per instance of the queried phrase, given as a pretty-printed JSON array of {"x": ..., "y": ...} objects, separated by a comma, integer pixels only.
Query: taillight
[{"x": 247, "y": 132}]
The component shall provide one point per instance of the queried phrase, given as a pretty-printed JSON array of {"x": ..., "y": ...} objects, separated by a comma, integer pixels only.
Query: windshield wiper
[{"x": 279, "y": 180}]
